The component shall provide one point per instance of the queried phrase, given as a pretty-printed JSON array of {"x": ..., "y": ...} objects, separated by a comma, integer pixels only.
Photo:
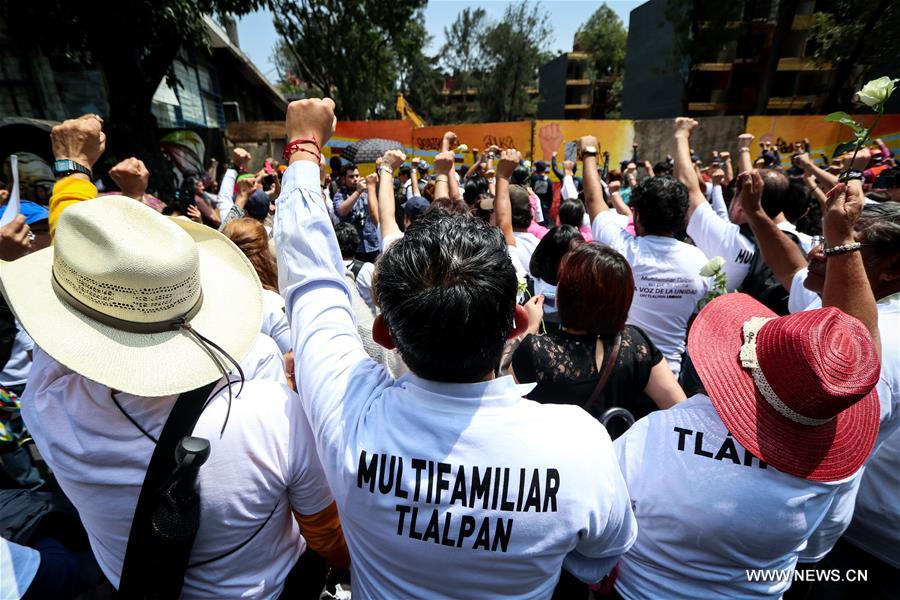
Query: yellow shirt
[{"x": 66, "y": 192}]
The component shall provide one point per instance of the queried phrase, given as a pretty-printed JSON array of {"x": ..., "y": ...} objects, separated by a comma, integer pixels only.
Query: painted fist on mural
[{"x": 551, "y": 139}]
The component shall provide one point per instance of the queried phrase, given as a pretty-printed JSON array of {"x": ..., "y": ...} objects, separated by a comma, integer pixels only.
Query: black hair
[
  {"x": 662, "y": 168},
  {"x": 347, "y": 238},
  {"x": 447, "y": 291},
  {"x": 571, "y": 212},
  {"x": 879, "y": 225},
  {"x": 796, "y": 202},
  {"x": 661, "y": 204},
  {"x": 405, "y": 170},
  {"x": 549, "y": 252},
  {"x": 347, "y": 168},
  {"x": 776, "y": 188},
  {"x": 334, "y": 163},
  {"x": 519, "y": 176}
]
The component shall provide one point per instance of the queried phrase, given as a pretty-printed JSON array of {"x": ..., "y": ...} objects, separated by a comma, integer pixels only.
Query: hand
[
  {"x": 372, "y": 179},
  {"x": 393, "y": 159},
  {"x": 361, "y": 185},
  {"x": 246, "y": 186},
  {"x": 131, "y": 176},
  {"x": 861, "y": 162},
  {"x": 378, "y": 161},
  {"x": 535, "y": 309},
  {"x": 614, "y": 186},
  {"x": 240, "y": 157},
  {"x": 587, "y": 141},
  {"x": 843, "y": 205},
  {"x": 685, "y": 126},
  {"x": 631, "y": 167},
  {"x": 744, "y": 140},
  {"x": 449, "y": 141},
  {"x": 15, "y": 239},
  {"x": 568, "y": 167},
  {"x": 718, "y": 177},
  {"x": 81, "y": 140},
  {"x": 551, "y": 138},
  {"x": 443, "y": 162},
  {"x": 310, "y": 118},
  {"x": 725, "y": 156},
  {"x": 415, "y": 161},
  {"x": 194, "y": 214},
  {"x": 802, "y": 160},
  {"x": 748, "y": 192},
  {"x": 509, "y": 160},
  {"x": 635, "y": 145}
]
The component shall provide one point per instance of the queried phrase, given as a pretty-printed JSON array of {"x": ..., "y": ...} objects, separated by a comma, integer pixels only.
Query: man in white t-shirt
[
  {"x": 448, "y": 482},
  {"x": 732, "y": 239},
  {"x": 522, "y": 216},
  {"x": 667, "y": 279},
  {"x": 758, "y": 471},
  {"x": 109, "y": 367}
]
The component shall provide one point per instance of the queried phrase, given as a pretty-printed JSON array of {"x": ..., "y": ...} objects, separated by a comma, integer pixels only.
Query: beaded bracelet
[{"x": 843, "y": 249}]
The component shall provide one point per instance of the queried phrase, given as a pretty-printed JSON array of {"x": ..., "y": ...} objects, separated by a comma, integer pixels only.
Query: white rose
[
  {"x": 527, "y": 164},
  {"x": 712, "y": 267},
  {"x": 876, "y": 92}
]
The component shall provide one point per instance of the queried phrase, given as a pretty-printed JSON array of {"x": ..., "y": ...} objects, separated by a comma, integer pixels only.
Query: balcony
[
  {"x": 802, "y": 64},
  {"x": 707, "y": 106},
  {"x": 577, "y": 106},
  {"x": 575, "y": 82},
  {"x": 713, "y": 66}
]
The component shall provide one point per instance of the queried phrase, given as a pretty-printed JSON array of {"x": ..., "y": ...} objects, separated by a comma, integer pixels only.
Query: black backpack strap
[
  {"x": 140, "y": 567},
  {"x": 356, "y": 267}
]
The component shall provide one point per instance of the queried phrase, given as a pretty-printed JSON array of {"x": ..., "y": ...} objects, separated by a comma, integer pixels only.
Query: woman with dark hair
[
  {"x": 593, "y": 296},
  {"x": 544, "y": 267},
  {"x": 571, "y": 212}
]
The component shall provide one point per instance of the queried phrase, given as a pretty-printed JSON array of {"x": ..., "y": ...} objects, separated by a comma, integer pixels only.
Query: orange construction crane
[{"x": 406, "y": 112}]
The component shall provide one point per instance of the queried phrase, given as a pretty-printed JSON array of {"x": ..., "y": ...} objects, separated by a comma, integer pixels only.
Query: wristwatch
[
  {"x": 63, "y": 168},
  {"x": 852, "y": 174},
  {"x": 588, "y": 151}
]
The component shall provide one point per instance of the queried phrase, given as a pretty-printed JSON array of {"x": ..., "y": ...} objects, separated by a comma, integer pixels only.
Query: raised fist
[
  {"x": 449, "y": 141},
  {"x": 744, "y": 140},
  {"x": 587, "y": 141},
  {"x": 843, "y": 206},
  {"x": 81, "y": 140},
  {"x": 372, "y": 179},
  {"x": 551, "y": 138},
  {"x": 685, "y": 126},
  {"x": 443, "y": 162},
  {"x": 240, "y": 157},
  {"x": 15, "y": 239},
  {"x": 131, "y": 176},
  {"x": 312, "y": 118},
  {"x": 509, "y": 160},
  {"x": 393, "y": 158}
]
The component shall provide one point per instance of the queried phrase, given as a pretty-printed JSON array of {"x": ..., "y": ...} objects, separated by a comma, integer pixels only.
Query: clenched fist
[
  {"x": 131, "y": 176},
  {"x": 81, "y": 140},
  {"x": 312, "y": 118},
  {"x": 744, "y": 140},
  {"x": 240, "y": 157},
  {"x": 685, "y": 126},
  {"x": 443, "y": 162},
  {"x": 509, "y": 160},
  {"x": 393, "y": 159}
]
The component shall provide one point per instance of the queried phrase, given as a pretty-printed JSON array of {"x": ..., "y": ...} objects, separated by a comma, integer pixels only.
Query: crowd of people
[{"x": 669, "y": 380}]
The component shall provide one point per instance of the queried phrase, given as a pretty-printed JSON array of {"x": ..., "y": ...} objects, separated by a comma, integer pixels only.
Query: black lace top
[{"x": 564, "y": 366}]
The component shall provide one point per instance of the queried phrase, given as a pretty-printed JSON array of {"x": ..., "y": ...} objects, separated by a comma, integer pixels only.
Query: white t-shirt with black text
[
  {"x": 667, "y": 283},
  {"x": 716, "y": 236}
]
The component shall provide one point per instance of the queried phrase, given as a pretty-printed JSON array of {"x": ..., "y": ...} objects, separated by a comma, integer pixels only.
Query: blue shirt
[{"x": 370, "y": 240}]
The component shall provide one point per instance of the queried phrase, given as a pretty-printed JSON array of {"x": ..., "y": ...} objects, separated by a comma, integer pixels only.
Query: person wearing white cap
[{"x": 122, "y": 333}]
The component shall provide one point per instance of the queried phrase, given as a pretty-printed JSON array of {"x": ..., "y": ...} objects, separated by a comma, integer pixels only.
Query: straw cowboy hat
[
  {"x": 796, "y": 391},
  {"x": 123, "y": 291}
]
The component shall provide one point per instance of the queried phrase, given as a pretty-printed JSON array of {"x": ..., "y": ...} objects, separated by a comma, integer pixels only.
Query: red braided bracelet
[{"x": 294, "y": 146}]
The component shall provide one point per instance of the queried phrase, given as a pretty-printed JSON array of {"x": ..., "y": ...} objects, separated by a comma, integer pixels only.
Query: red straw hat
[{"x": 796, "y": 391}]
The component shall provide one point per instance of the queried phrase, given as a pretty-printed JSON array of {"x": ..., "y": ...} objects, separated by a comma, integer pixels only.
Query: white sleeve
[
  {"x": 834, "y": 523},
  {"x": 717, "y": 200},
  {"x": 265, "y": 361},
  {"x": 538, "y": 211},
  {"x": 800, "y": 298},
  {"x": 336, "y": 379},
  {"x": 364, "y": 284},
  {"x": 609, "y": 228},
  {"x": 718, "y": 237},
  {"x": 225, "y": 199},
  {"x": 307, "y": 486},
  {"x": 387, "y": 241},
  {"x": 568, "y": 189}
]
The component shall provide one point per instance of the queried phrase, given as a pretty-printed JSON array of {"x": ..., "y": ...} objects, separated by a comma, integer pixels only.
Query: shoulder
[{"x": 272, "y": 301}]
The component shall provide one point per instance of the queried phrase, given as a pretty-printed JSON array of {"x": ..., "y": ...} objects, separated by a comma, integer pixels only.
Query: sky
[{"x": 257, "y": 34}]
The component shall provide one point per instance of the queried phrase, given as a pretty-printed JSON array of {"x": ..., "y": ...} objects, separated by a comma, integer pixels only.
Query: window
[{"x": 16, "y": 97}]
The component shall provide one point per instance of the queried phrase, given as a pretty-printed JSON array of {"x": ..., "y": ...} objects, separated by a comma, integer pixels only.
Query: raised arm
[
  {"x": 443, "y": 181},
  {"x": 846, "y": 284},
  {"x": 414, "y": 177},
  {"x": 328, "y": 352},
  {"x": 809, "y": 167},
  {"x": 82, "y": 141},
  {"x": 615, "y": 198},
  {"x": 684, "y": 166},
  {"x": 782, "y": 255},
  {"x": 555, "y": 168},
  {"x": 372, "y": 196},
  {"x": 225, "y": 199},
  {"x": 593, "y": 191},
  {"x": 131, "y": 176},
  {"x": 509, "y": 160},
  {"x": 744, "y": 160},
  {"x": 727, "y": 167},
  {"x": 387, "y": 219}
]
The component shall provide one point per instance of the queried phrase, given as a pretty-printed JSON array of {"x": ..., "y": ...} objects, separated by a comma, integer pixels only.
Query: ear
[
  {"x": 521, "y": 322},
  {"x": 381, "y": 334}
]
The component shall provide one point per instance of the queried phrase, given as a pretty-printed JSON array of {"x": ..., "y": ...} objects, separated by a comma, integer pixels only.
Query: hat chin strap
[{"x": 750, "y": 361}]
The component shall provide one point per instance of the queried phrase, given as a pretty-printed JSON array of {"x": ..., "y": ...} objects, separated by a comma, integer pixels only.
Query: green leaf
[
  {"x": 844, "y": 119},
  {"x": 843, "y": 148}
]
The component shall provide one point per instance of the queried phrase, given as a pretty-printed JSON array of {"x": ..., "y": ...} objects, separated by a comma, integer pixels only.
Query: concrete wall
[{"x": 715, "y": 133}]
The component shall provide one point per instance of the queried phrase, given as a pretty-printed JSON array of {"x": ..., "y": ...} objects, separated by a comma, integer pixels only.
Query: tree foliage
[
  {"x": 604, "y": 38},
  {"x": 462, "y": 54},
  {"x": 514, "y": 48},
  {"x": 350, "y": 51}
]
